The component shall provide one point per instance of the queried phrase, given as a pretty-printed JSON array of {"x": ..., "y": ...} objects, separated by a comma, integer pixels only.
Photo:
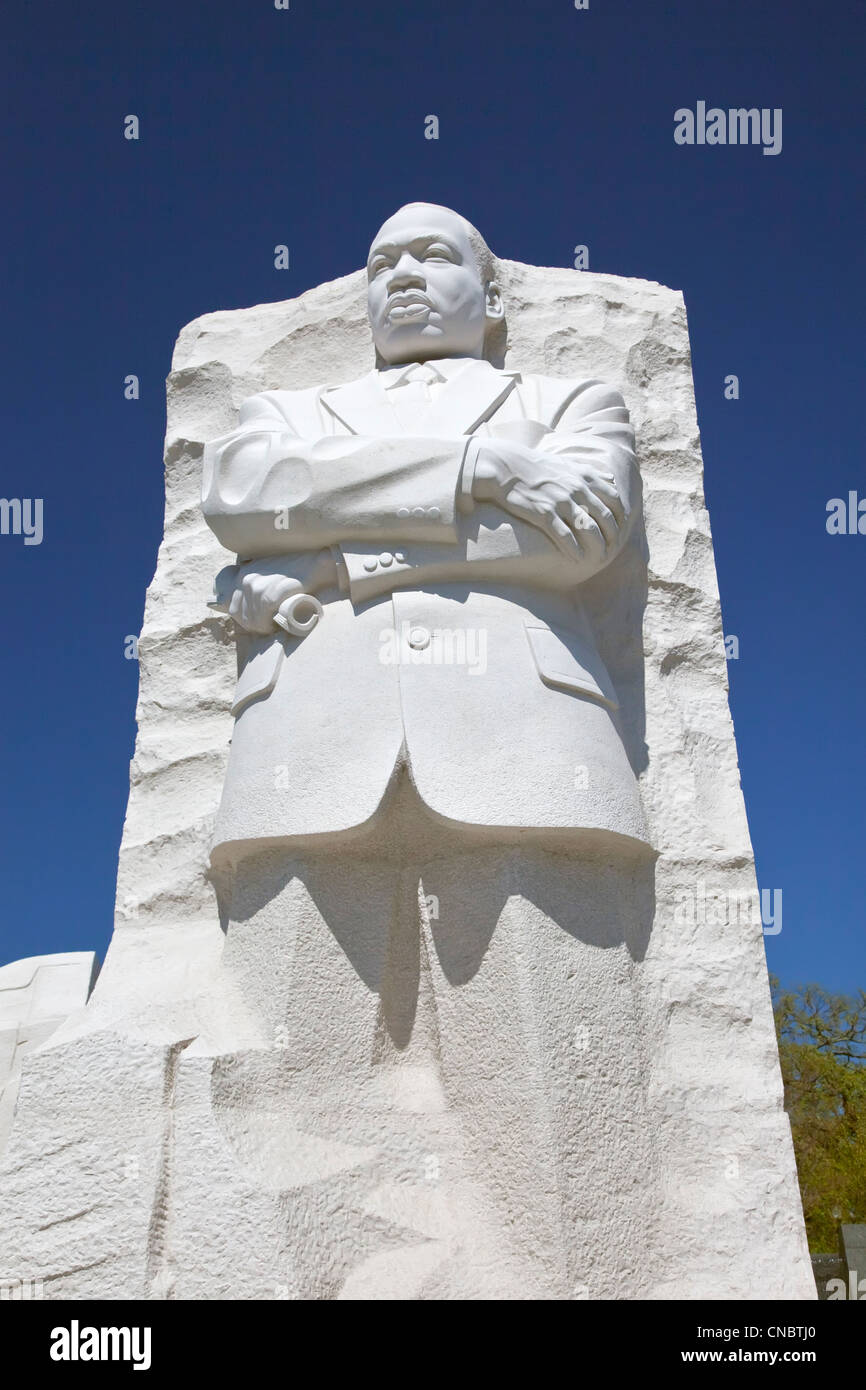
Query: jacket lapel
[
  {"x": 361, "y": 406},
  {"x": 470, "y": 396}
]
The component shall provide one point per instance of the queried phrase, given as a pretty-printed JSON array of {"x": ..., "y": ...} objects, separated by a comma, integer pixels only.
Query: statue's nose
[{"x": 406, "y": 275}]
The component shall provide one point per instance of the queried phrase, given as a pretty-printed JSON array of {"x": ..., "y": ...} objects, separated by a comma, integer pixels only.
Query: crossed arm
[{"x": 291, "y": 508}]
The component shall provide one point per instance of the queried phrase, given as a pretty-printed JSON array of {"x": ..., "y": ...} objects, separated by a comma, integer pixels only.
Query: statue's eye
[
  {"x": 377, "y": 265},
  {"x": 438, "y": 253}
]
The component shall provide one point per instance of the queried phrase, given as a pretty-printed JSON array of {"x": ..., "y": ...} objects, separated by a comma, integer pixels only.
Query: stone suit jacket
[{"x": 456, "y": 640}]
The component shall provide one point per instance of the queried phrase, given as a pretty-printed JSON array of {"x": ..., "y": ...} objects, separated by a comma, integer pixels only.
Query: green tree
[{"x": 822, "y": 1047}]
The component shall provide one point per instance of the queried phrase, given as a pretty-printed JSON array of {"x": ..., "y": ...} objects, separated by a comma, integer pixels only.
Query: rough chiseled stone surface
[{"x": 150, "y": 1155}]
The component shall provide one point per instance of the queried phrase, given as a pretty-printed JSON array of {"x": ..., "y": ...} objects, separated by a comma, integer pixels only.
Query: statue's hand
[
  {"x": 579, "y": 510},
  {"x": 262, "y": 586}
]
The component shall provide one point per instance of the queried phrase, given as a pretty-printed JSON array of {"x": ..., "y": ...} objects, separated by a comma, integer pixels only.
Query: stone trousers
[{"x": 449, "y": 1095}]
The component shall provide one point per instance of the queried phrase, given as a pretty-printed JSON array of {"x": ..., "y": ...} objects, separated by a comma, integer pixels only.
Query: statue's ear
[
  {"x": 495, "y": 309},
  {"x": 496, "y": 331}
]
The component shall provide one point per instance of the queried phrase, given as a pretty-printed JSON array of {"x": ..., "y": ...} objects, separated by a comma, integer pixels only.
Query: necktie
[{"x": 412, "y": 396}]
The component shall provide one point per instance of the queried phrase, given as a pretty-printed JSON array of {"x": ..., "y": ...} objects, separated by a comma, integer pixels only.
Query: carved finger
[
  {"x": 589, "y": 531},
  {"x": 607, "y": 492},
  {"x": 600, "y": 514},
  {"x": 563, "y": 536}
]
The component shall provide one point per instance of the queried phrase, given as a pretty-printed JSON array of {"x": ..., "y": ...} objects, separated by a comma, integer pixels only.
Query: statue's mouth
[{"x": 405, "y": 307}]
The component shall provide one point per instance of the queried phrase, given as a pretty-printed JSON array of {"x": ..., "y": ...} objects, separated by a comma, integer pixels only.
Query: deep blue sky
[{"x": 261, "y": 126}]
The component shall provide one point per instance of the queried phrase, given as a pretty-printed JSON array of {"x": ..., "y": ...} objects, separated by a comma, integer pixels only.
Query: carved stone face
[{"x": 425, "y": 296}]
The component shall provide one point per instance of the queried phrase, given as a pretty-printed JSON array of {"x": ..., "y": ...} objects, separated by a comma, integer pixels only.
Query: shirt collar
[{"x": 445, "y": 368}]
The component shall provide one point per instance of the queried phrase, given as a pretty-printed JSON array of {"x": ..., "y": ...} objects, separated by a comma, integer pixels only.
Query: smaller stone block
[{"x": 36, "y": 994}]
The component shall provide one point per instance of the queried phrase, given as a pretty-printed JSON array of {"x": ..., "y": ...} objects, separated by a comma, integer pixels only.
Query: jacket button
[
  {"x": 399, "y": 557},
  {"x": 434, "y": 513},
  {"x": 370, "y": 565},
  {"x": 419, "y": 512},
  {"x": 419, "y": 638},
  {"x": 386, "y": 558},
  {"x": 402, "y": 513}
]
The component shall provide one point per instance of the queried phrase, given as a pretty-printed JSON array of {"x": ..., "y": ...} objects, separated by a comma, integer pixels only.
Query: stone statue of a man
[
  {"x": 430, "y": 825},
  {"x": 435, "y": 496}
]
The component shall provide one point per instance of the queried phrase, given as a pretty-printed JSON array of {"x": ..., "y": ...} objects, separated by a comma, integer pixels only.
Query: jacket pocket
[{"x": 555, "y": 652}]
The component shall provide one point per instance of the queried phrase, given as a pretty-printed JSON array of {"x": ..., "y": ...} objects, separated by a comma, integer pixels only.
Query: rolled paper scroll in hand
[{"x": 298, "y": 614}]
